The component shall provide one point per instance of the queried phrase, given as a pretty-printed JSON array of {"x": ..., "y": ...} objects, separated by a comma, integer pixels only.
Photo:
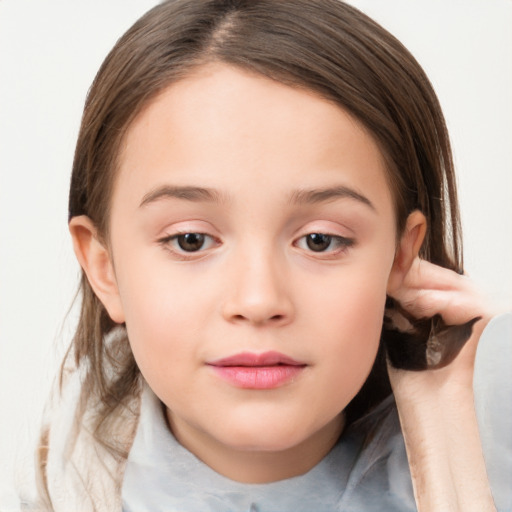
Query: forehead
[{"x": 226, "y": 127}]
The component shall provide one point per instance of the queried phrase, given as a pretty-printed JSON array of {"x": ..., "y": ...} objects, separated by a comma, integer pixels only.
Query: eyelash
[
  {"x": 342, "y": 244},
  {"x": 168, "y": 242}
]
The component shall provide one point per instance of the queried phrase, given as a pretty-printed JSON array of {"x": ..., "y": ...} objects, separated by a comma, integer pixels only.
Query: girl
[{"x": 273, "y": 314}]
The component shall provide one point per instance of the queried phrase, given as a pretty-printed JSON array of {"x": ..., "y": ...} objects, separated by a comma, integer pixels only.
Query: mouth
[{"x": 268, "y": 370}]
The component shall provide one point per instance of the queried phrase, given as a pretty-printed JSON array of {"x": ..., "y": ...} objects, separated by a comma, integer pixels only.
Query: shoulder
[
  {"x": 380, "y": 478},
  {"x": 73, "y": 470},
  {"x": 493, "y": 402}
]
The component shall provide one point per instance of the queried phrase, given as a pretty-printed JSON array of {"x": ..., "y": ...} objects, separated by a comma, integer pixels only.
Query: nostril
[
  {"x": 258, "y": 309},
  {"x": 254, "y": 319}
]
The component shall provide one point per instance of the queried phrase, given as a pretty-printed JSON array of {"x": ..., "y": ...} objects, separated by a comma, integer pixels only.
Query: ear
[
  {"x": 408, "y": 249},
  {"x": 96, "y": 262}
]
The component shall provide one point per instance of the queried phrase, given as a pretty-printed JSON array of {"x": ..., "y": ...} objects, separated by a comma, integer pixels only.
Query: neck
[{"x": 253, "y": 465}]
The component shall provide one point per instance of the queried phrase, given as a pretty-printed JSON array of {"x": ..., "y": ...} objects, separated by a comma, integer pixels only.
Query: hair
[{"x": 323, "y": 46}]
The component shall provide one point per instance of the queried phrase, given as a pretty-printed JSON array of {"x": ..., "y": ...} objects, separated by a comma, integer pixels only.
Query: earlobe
[
  {"x": 95, "y": 260},
  {"x": 408, "y": 249}
]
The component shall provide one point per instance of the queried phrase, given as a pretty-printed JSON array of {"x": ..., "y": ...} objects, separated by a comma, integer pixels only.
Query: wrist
[{"x": 443, "y": 448}]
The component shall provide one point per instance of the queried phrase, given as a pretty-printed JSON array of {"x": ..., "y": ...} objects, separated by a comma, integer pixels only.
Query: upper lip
[{"x": 271, "y": 358}]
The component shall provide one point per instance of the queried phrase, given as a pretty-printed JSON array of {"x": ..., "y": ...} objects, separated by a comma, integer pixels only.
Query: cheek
[
  {"x": 162, "y": 311},
  {"x": 350, "y": 316},
  {"x": 351, "y": 300},
  {"x": 359, "y": 318}
]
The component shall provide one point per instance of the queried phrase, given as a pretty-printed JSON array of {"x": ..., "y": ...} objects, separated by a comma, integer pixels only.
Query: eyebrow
[
  {"x": 327, "y": 194},
  {"x": 301, "y": 196},
  {"x": 188, "y": 193}
]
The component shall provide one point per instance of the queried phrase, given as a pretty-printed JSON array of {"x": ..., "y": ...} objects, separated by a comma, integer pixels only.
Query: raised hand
[{"x": 444, "y": 313}]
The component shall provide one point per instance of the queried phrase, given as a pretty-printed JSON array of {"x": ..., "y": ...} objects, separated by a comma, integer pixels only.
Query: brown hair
[{"x": 324, "y": 46}]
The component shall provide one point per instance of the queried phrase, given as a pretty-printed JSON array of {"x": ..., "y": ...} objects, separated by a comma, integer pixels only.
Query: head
[{"x": 322, "y": 59}]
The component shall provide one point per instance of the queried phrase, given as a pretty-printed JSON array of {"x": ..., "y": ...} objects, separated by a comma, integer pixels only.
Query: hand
[
  {"x": 442, "y": 313},
  {"x": 436, "y": 406}
]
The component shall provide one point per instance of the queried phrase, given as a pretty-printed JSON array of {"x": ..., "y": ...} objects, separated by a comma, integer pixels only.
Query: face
[{"x": 252, "y": 237}]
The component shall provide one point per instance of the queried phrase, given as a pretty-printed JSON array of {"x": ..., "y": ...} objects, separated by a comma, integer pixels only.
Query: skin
[
  {"x": 258, "y": 146},
  {"x": 436, "y": 407}
]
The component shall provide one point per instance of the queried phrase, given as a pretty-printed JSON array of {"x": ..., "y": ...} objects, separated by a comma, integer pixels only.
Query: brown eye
[
  {"x": 190, "y": 242},
  {"x": 324, "y": 244},
  {"x": 318, "y": 242},
  {"x": 190, "y": 245}
]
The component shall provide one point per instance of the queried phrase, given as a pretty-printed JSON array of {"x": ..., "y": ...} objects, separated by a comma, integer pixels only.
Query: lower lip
[{"x": 258, "y": 377}]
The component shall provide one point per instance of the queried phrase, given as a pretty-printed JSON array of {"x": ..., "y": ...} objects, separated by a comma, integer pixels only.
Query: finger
[
  {"x": 424, "y": 274},
  {"x": 455, "y": 307}
]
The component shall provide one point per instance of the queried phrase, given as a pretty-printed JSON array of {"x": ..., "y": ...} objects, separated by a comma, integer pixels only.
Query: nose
[{"x": 257, "y": 292}]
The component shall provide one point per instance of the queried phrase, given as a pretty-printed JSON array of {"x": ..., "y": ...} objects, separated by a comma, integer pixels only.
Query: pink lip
[{"x": 257, "y": 371}]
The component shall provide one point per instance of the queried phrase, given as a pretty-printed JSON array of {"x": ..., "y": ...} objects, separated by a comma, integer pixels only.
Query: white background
[{"x": 49, "y": 53}]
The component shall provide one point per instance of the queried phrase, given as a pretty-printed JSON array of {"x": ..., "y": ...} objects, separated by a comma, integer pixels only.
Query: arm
[{"x": 436, "y": 406}]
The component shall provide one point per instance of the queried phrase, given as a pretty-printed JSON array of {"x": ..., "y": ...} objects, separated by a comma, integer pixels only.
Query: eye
[
  {"x": 188, "y": 242},
  {"x": 322, "y": 242},
  {"x": 318, "y": 242}
]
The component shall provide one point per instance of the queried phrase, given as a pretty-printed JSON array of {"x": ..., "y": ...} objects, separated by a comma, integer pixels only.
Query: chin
[
  {"x": 271, "y": 441},
  {"x": 268, "y": 435}
]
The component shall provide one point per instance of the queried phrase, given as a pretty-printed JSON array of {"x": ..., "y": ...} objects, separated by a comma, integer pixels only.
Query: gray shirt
[{"x": 365, "y": 471}]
